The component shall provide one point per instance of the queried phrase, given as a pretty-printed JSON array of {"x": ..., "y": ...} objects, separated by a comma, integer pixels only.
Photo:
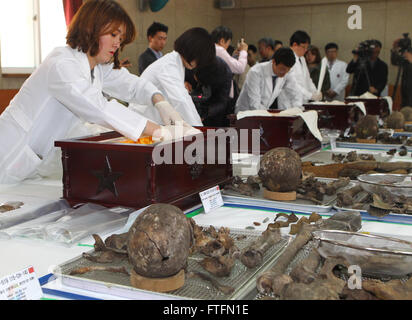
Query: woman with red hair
[{"x": 66, "y": 91}]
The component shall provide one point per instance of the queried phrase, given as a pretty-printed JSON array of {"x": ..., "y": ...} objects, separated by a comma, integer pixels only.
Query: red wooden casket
[
  {"x": 334, "y": 116},
  {"x": 377, "y": 106},
  {"x": 274, "y": 132},
  {"x": 112, "y": 173}
]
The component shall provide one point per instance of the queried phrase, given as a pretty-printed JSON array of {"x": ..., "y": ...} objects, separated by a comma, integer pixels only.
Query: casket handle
[
  {"x": 261, "y": 133},
  {"x": 195, "y": 170}
]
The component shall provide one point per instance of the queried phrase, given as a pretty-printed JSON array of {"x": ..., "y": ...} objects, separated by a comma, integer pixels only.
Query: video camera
[
  {"x": 365, "y": 49},
  {"x": 404, "y": 43}
]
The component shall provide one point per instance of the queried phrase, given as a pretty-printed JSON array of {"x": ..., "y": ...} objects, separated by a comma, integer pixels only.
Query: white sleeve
[
  {"x": 237, "y": 66},
  {"x": 304, "y": 93},
  {"x": 309, "y": 85},
  {"x": 70, "y": 87},
  {"x": 121, "y": 84},
  {"x": 293, "y": 91},
  {"x": 312, "y": 86},
  {"x": 253, "y": 91},
  {"x": 174, "y": 89}
]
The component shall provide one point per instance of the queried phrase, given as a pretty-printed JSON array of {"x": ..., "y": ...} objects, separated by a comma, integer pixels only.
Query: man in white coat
[
  {"x": 194, "y": 48},
  {"x": 66, "y": 91},
  {"x": 337, "y": 71},
  {"x": 266, "y": 80},
  {"x": 299, "y": 43}
]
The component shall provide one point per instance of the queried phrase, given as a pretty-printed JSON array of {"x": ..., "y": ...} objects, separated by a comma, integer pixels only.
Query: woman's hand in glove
[
  {"x": 169, "y": 115},
  {"x": 169, "y": 132},
  {"x": 317, "y": 96}
]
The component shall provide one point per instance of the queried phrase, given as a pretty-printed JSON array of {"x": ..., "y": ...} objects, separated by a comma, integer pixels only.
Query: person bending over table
[
  {"x": 66, "y": 91},
  {"x": 266, "y": 80}
]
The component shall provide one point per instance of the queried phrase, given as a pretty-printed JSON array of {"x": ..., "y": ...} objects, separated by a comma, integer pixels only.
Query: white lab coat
[
  {"x": 257, "y": 92},
  {"x": 57, "y": 98},
  {"x": 338, "y": 79},
  {"x": 168, "y": 75},
  {"x": 307, "y": 88}
]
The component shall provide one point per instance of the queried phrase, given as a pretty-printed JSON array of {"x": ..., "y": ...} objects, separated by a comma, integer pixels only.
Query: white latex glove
[
  {"x": 169, "y": 115},
  {"x": 169, "y": 132},
  {"x": 317, "y": 96}
]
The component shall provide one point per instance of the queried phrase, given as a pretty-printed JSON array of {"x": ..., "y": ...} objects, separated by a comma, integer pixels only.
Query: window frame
[{"x": 22, "y": 72}]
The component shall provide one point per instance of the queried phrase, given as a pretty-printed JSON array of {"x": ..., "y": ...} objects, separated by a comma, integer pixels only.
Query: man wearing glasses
[
  {"x": 337, "y": 71},
  {"x": 299, "y": 43}
]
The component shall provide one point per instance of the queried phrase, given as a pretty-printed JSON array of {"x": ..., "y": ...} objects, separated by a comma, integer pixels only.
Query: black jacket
[
  {"x": 146, "y": 59},
  {"x": 217, "y": 105},
  {"x": 378, "y": 77},
  {"x": 406, "y": 86},
  {"x": 218, "y": 77}
]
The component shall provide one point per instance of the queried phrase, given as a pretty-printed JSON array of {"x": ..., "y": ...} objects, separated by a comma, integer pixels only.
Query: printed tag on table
[
  {"x": 211, "y": 199},
  {"x": 22, "y": 285}
]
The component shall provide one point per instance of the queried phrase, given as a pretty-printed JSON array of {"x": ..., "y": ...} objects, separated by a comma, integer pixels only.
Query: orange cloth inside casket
[{"x": 142, "y": 140}]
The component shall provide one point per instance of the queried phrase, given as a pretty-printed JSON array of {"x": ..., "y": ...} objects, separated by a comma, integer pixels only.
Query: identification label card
[
  {"x": 211, "y": 199},
  {"x": 22, "y": 285}
]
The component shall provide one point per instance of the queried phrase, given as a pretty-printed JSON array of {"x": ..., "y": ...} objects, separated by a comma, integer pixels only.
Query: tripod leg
[
  {"x": 362, "y": 69},
  {"x": 395, "y": 88},
  {"x": 367, "y": 77},
  {"x": 355, "y": 84}
]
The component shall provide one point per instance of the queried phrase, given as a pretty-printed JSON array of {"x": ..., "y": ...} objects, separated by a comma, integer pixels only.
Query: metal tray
[
  {"x": 301, "y": 255},
  {"x": 373, "y": 146},
  {"x": 241, "y": 278},
  {"x": 393, "y": 256},
  {"x": 402, "y": 134},
  {"x": 391, "y": 217},
  {"x": 396, "y": 184},
  {"x": 325, "y": 157},
  {"x": 230, "y": 196}
]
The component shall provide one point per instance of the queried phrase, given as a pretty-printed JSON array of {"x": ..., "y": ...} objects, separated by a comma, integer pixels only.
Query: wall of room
[
  {"x": 324, "y": 20},
  {"x": 178, "y": 15}
]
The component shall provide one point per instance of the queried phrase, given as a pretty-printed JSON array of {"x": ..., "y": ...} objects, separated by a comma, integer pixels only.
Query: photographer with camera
[
  {"x": 209, "y": 89},
  {"x": 401, "y": 55},
  {"x": 370, "y": 72}
]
